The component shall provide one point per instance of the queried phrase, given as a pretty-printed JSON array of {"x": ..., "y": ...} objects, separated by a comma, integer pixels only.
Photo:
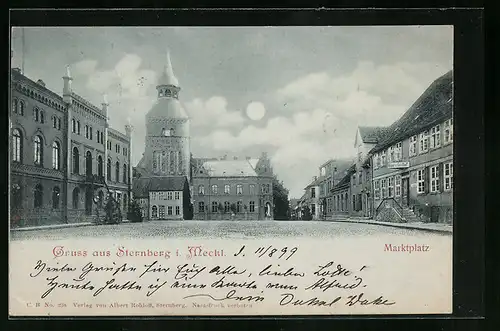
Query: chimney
[{"x": 67, "y": 86}]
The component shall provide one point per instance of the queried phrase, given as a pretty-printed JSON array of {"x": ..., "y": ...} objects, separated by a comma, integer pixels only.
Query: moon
[{"x": 256, "y": 110}]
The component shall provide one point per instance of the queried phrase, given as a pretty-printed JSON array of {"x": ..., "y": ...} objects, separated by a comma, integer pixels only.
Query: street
[{"x": 220, "y": 229}]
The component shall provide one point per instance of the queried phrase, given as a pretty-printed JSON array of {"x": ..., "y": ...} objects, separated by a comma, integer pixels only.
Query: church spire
[{"x": 168, "y": 85}]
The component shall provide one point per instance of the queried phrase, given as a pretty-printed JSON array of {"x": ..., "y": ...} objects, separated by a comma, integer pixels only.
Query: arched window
[
  {"x": 108, "y": 170},
  {"x": 56, "y": 150},
  {"x": 201, "y": 189},
  {"x": 226, "y": 206},
  {"x": 99, "y": 166},
  {"x": 117, "y": 172},
  {"x": 201, "y": 207},
  {"x": 154, "y": 212},
  {"x": 58, "y": 124},
  {"x": 38, "y": 196},
  {"x": 179, "y": 162},
  {"x": 36, "y": 114},
  {"x": 90, "y": 133},
  {"x": 78, "y": 127},
  {"x": 54, "y": 122},
  {"x": 17, "y": 145},
  {"x": 87, "y": 131},
  {"x": 102, "y": 138},
  {"x": 172, "y": 162},
  {"x": 76, "y": 198},
  {"x": 88, "y": 163},
  {"x": 15, "y": 103},
  {"x": 76, "y": 161},
  {"x": 125, "y": 173},
  {"x": 238, "y": 206},
  {"x": 55, "y": 197},
  {"x": 38, "y": 150},
  {"x": 214, "y": 189},
  {"x": 73, "y": 125},
  {"x": 164, "y": 132},
  {"x": 21, "y": 108},
  {"x": 42, "y": 116}
]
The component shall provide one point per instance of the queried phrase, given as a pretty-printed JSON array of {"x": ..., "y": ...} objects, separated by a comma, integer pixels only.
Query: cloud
[
  {"x": 321, "y": 116},
  {"x": 213, "y": 113}
]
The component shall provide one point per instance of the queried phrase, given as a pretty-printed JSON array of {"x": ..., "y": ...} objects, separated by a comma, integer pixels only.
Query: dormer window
[
  {"x": 167, "y": 133},
  {"x": 168, "y": 93},
  {"x": 160, "y": 93}
]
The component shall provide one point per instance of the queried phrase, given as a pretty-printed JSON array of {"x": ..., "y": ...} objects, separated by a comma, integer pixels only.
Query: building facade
[
  {"x": 233, "y": 189},
  {"x": 340, "y": 193},
  {"x": 57, "y": 153},
  {"x": 330, "y": 174},
  {"x": 413, "y": 164}
]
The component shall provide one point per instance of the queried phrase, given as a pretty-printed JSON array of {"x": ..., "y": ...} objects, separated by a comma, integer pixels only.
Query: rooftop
[
  {"x": 142, "y": 186},
  {"x": 229, "y": 168},
  {"x": 372, "y": 134}
]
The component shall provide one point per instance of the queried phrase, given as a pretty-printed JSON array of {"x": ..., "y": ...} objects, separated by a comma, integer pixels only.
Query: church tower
[{"x": 167, "y": 151}]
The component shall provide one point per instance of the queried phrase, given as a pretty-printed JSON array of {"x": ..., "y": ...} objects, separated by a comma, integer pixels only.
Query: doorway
[{"x": 405, "y": 191}]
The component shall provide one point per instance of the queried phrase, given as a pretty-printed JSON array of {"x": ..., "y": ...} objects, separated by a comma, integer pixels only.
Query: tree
[
  {"x": 281, "y": 203},
  {"x": 187, "y": 208},
  {"x": 135, "y": 214}
]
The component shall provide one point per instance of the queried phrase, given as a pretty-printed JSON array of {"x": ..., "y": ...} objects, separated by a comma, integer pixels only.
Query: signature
[{"x": 231, "y": 295}]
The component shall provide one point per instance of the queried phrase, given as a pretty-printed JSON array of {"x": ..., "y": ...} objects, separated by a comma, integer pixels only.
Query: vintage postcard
[{"x": 220, "y": 171}]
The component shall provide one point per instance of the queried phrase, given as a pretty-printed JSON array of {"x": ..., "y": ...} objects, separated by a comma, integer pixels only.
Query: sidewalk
[
  {"x": 58, "y": 226},
  {"x": 432, "y": 227}
]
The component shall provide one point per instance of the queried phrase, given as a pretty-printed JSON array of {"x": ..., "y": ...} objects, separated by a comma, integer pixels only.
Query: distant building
[
  {"x": 162, "y": 198},
  {"x": 330, "y": 174},
  {"x": 58, "y": 155},
  {"x": 413, "y": 163},
  {"x": 340, "y": 196},
  {"x": 233, "y": 189}
]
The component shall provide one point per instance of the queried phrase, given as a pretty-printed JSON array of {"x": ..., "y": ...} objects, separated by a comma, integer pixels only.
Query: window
[
  {"x": 36, "y": 114},
  {"x": 238, "y": 206},
  {"x": 376, "y": 189},
  {"x": 108, "y": 170},
  {"x": 42, "y": 116},
  {"x": 323, "y": 171},
  {"x": 313, "y": 192},
  {"x": 15, "y": 106},
  {"x": 55, "y": 197},
  {"x": 78, "y": 127},
  {"x": 172, "y": 162},
  {"x": 448, "y": 131},
  {"x": 165, "y": 132},
  {"x": 117, "y": 171},
  {"x": 360, "y": 178},
  {"x": 376, "y": 161},
  {"x": 161, "y": 212},
  {"x": 86, "y": 131},
  {"x": 109, "y": 144},
  {"x": 76, "y": 161},
  {"x": 384, "y": 188},
  {"x": 421, "y": 181},
  {"x": 354, "y": 202},
  {"x": 383, "y": 158},
  {"x": 21, "y": 108},
  {"x": 214, "y": 207},
  {"x": 313, "y": 209},
  {"x": 398, "y": 152},
  {"x": 413, "y": 146},
  {"x": 353, "y": 180},
  {"x": 99, "y": 166},
  {"x": 154, "y": 212},
  {"x": 102, "y": 137},
  {"x": 179, "y": 162},
  {"x": 226, "y": 206},
  {"x": 252, "y": 206},
  {"x": 227, "y": 189},
  {"x": 214, "y": 189},
  {"x": 54, "y": 122},
  {"x": 177, "y": 210},
  {"x": 390, "y": 186},
  {"x": 38, "y": 151},
  {"x": 397, "y": 191},
  {"x": 56, "y": 150},
  {"x": 169, "y": 195},
  {"x": 125, "y": 173},
  {"x": 177, "y": 195},
  {"x": 90, "y": 133},
  {"x": 201, "y": 207},
  {"x": 448, "y": 176},
  {"x": 424, "y": 142},
  {"x": 17, "y": 145},
  {"x": 38, "y": 196},
  {"x": 434, "y": 178},
  {"x": 252, "y": 189},
  {"x": 435, "y": 137},
  {"x": 76, "y": 198},
  {"x": 392, "y": 153},
  {"x": 58, "y": 124},
  {"x": 201, "y": 189},
  {"x": 239, "y": 189},
  {"x": 73, "y": 125}
]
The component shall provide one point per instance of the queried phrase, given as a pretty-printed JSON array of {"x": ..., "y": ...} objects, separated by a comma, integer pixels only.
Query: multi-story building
[
  {"x": 57, "y": 146},
  {"x": 233, "y": 189},
  {"x": 312, "y": 198},
  {"x": 413, "y": 163},
  {"x": 361, "y": 202},
  {"x": 330, "y": 174},
  {"x": 340, "y": 195}
]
